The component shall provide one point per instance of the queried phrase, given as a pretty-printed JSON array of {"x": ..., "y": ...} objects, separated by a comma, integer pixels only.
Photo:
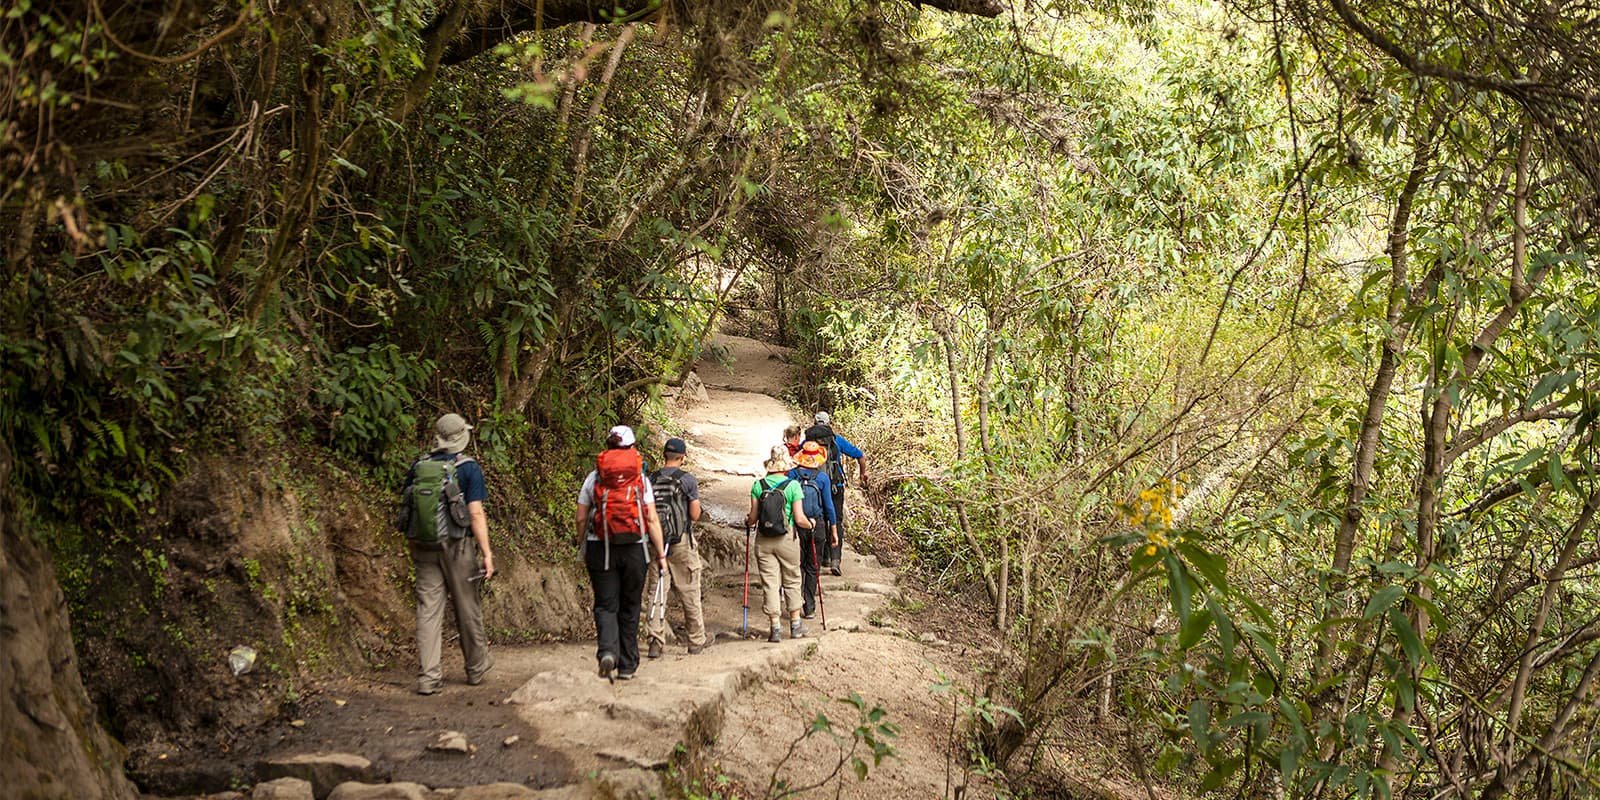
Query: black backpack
[
  {"x": 672, "y": 505},
  {"x": 771, "y": 519},
  {"x": 823, "y": 435}
]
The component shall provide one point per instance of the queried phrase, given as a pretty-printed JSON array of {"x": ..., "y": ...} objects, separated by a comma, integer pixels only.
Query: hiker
[
  {"x": 817, "y": 490},
  {"x": 442, "y": 504},
  {"x": 775, "y": 511},
  {"x": 791, "y": 440},
  {"x": 838, "y": 448},
  {"x": 618, "y": 538},
  {"x": 677, "y": 500}
]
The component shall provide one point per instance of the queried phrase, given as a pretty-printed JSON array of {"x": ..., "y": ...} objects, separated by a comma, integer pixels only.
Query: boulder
[
  {"x": 283, "y": 789},
  {"x": 693, "y": 391},
  {"x": 355, "y": 790},
  {"x": 323, "y": 770}
]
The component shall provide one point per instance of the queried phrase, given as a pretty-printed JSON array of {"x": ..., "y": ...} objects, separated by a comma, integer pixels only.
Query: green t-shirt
[{"x": 792, "y": 493}]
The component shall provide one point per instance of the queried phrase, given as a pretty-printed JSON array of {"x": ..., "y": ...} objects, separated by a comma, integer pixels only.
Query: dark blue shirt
[
  {"x": 824, "y": 488},
  {"x": 469, "y": 475}
]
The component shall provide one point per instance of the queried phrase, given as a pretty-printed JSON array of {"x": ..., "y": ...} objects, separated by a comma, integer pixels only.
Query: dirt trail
[{"x": 577, "y": 734}]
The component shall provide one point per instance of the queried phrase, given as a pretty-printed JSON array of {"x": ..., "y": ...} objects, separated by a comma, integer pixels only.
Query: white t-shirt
[{"x": 586, "y": 499}]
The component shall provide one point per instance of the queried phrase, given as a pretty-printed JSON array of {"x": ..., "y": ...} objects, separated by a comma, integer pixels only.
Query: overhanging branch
[{"x": 513, "y": 17}]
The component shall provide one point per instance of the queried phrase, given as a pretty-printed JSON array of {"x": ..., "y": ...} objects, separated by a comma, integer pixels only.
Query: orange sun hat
[{"x": 812, "y": 455}]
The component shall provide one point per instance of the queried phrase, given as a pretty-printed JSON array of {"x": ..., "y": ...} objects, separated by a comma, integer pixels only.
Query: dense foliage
[{"x": 1237, "y": 354}]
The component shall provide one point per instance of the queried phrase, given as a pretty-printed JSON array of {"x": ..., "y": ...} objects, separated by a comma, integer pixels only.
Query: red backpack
[{"x": 619, "y": 496}]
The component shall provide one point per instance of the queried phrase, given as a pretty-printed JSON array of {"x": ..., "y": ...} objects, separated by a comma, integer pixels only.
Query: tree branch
[{"x": 516, "y": 17}]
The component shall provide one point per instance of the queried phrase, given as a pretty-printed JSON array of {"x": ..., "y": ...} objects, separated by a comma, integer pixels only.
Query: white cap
[
  {"x": 822, "y": 418},
  {"x": 620, "y": 436}
]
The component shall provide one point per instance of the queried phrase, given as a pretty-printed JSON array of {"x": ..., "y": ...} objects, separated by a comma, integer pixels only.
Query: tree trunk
[
  {"x": 1003, "y": 590},
  {"x": 948, "y": 338}
]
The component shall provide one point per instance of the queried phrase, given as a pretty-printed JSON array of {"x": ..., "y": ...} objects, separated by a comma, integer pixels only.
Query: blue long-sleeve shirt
[
  {"x": 824, "y": 488},
  {"x": 846, "y": 448}
]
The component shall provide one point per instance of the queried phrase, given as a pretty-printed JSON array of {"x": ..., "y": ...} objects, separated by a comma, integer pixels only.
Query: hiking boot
[
  {"x": 776, "y": 635},
  {"x": 809, "y": 613},
  {"x": 655, "y": 650},
  {"x": 697, "y": 649},
  {"x": 797, "y": 630},
  {"x": 834, "y": 568},
  {"x": 429, "y": 689},
  {"x": 626, "y": 676},
  {"x": 608, "y": 663}
]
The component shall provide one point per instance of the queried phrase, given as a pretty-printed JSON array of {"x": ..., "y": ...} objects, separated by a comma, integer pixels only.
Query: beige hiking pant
[
  {"x": 683, "y": 581},
  {"x": 778, "y": 562},
  {"x": 446, "y": 572}
]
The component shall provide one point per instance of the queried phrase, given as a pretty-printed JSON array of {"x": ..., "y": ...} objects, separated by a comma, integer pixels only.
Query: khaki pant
[
  {"x": 441, "y": 572},
  {"x": 778, "y": 562},
  {"x": 683, "y": 581}
]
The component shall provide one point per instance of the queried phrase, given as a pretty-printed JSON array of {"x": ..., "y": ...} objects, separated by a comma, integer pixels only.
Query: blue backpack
[{"x": 812, "y": 498}]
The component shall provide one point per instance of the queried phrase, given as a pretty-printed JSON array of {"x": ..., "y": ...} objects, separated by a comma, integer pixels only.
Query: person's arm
[
  {"x": 653, "y": 524},
  {"x": 861, "y": 469},
  {"x": 830, "y": 512},
  {"x": 480, "y": 533},
  {"x": 581, "y": 523},
  {"x": 691, "y": 490},
  {"x": 750, "y": 517}
]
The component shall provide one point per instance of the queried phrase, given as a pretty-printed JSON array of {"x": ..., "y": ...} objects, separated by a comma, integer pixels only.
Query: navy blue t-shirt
[{"x": 468, "y": 475}]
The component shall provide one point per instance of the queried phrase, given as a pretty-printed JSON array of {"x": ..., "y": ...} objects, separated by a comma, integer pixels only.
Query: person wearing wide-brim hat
[
  {"x": 815, "y": 544},
  {"x": 777, "y": 544},
  {"x": 451, "y": 561}
]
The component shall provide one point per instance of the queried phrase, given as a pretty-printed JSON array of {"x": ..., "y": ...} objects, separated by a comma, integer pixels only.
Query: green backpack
[{"x": 433, "y": 508}]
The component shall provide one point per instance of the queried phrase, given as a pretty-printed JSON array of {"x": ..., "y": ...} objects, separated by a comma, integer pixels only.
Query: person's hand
[
  {"x": 488, "y": 566},
  {"x": 863, "y": 481}
]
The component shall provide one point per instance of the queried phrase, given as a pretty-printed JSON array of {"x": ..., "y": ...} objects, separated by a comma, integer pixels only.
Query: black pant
[
  {"x": 836, "y": 551},
  {"x": 814, "y": 541},
  {"x": 617, "y": 594}
]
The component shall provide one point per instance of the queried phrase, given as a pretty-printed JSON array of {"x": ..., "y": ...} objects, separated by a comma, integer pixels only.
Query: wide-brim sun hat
[
  {"x": 451, "y": 433},
  {"x": 778, "y": 461},
  {"x": 811, "y": 455}
]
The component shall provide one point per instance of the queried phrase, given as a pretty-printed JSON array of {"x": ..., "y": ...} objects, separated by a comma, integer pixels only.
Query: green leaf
[
  {"x": 1209, "y": 565},
  {"x": 1193, "y": 629},
  {"x": 1381, "y": 601},
  {"x": 1409, "y": 640},
  {"x": 1200, "y": 724},
  {"x": 1180, "y": 588}
]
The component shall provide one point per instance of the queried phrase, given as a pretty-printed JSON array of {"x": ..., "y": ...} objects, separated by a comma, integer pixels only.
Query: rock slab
[
  {"x": 496, "y": 791},
  {"x": 323, "y": 771},
  {"x": 355, "y": 790},
  {"x": 283, "y": 789}
]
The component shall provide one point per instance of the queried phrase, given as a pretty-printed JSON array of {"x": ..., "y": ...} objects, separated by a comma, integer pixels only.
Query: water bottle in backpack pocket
[{"x": 772, "y": 517}]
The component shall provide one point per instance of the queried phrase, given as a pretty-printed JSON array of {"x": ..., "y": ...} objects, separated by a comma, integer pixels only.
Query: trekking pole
[
  {"x": 822, "y": 605},
  {"x": 744, "y": 628},
  {"x": 658, "y": 600}
]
